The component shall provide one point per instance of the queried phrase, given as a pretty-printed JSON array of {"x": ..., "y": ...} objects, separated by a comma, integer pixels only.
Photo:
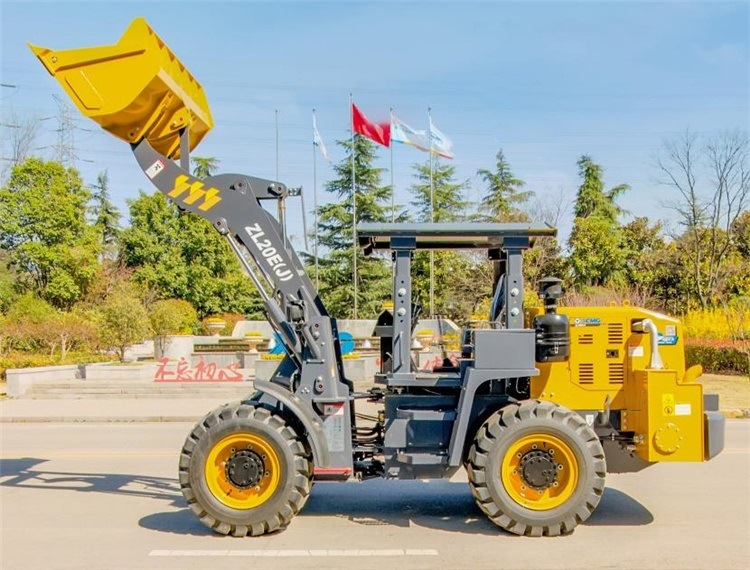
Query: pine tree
[
  {"x": 106, "y": 215},
  {"x": 444, "y": 202},
  {"x": 504, "y": 196},
  {"x": 204, "y": 166},
  {"x": 592, "y": 199},
  {"x": 446, "y": 197},
  {"x": 596, "y": 243},
  {"x": 336, "y": 234}
]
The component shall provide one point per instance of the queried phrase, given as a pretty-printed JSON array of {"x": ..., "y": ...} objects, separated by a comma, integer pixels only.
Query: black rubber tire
[
  {"x": 505, "y": 427},
  {"x": 296, "y": 466}
]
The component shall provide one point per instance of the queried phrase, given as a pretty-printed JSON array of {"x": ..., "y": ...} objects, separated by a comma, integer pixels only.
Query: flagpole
[
  {"x": 315, "y": 205},
  {"x": 393, "y": 187},
  {"x": 354, "y": 208},
  {"x": 432, "y": 218},
  {"x": 281, "y": 205}
]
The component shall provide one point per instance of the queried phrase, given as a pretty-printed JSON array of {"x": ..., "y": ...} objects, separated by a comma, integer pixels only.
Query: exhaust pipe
[{"x": 648, "y": 326}]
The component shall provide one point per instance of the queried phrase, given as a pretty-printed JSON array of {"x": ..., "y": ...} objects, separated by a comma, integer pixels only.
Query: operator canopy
[{"x": 451, "y": 235}]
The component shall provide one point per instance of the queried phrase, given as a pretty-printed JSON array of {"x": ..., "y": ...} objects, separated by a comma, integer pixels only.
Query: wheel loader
[{"x": 541, "y": 405}]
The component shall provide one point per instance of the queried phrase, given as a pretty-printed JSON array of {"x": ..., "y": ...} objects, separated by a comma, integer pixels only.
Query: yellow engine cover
[{"x": 609, "y": 367}]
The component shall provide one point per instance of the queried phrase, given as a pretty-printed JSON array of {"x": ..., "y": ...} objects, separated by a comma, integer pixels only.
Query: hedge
[
  {"x": 31, "y": 360},
  {"x": 717, "y": 356}
]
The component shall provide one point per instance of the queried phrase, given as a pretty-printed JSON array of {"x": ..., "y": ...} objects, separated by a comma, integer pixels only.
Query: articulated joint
[{"x": 648, "y": 326}]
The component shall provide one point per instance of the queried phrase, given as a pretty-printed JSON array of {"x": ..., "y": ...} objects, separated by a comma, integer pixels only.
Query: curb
[{"x": 97, "y": 420}]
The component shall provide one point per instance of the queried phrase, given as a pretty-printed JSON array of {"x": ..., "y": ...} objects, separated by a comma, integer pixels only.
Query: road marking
[{"x": 297, "y": 553}]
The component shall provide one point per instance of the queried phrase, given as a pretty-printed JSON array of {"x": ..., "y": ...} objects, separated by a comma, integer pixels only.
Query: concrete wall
[
  {"x": 110, "y": 371},
  {"x": 20, "y": 380},
  {"x": 173, "y": 347}
]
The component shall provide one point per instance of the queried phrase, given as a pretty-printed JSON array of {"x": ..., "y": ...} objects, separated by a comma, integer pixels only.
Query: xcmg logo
[{"x": 195, "y": 191}]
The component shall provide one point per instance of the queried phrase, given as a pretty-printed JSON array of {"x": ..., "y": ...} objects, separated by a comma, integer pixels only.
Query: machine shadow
[
  {"x": 27, "y": 472},
  {"x": 442, "y": 505}
]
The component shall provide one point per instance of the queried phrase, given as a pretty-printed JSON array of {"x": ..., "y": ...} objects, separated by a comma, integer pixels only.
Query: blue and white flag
[
  {"x": 439, "y": 143},
  {"x": 404, "y": 134},
  {"x": 317, "y": 141}
]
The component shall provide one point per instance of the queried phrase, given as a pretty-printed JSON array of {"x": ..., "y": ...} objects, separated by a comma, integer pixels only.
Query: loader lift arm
[{"x": 312, "y": 369}]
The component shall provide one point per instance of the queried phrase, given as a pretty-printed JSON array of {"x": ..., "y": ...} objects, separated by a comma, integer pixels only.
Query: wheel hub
[
  {"x": 244, "y": 469},
  {"x": 538, "y": 469}
]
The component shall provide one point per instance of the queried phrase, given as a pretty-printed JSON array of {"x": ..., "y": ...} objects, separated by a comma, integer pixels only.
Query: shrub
[
  {"x": 717, "y": 356},
  {"x": 27, "y": 360},
  {"x": 173, "y": 316},
  {"x": 123, "y": 321},
  {"x": 724, "y": 323}
]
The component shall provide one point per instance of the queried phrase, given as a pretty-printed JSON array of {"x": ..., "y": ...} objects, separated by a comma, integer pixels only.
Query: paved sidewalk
[{"x": 108, "y": 410}]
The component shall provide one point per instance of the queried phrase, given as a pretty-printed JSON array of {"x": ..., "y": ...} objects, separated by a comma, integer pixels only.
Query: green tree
[
  {"x": 592, "y": 199},
  {"x": 504, "y": 196},
  {"x": 645, "y": 255},
  {"x": 441, "y": 201},
  {"x": 8, "y": 282},
  {"x": 596, "y": 254},
  {"x": 597, "y": 257},
  {"x": 44, "y": 231},
  {"x": 741, "y": 234},
  {"x": 710, "y": 179},
  {"x": 123, "y": 320},
  {"x": 336, "y": 234},
  {"x": 181, "y": 256},
  {"x": 172, "y": 316},
  {"x": 204, "y": 166},
  {"x": 105, "y": 214}
]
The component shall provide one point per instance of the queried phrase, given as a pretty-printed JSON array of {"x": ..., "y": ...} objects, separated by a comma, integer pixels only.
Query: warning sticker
[
  {"x": 683, "y": 410},
  {"x": 153, "y": 170},
  {"x": 334, "y": 425}
]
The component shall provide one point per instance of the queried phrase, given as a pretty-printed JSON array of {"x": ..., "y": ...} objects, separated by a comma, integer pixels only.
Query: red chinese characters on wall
[{"x": 181, "y": 371}]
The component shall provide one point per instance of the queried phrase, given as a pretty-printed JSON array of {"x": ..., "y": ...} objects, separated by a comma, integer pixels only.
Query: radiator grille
[
  {"x": 585, "y": 373},
  {"x": 615, "y": 335},
  {"x": 616, "y": 372},
  {"x": 586, "y": 339}
]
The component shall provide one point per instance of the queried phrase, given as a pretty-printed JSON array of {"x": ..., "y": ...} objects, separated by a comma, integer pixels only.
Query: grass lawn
[{"x": 734, "y": 391}]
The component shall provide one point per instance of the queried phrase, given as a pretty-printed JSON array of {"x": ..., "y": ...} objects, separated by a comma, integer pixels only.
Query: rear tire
[
  {"x": 244, "y": 471},
  {"x": 536, "y": 469}
]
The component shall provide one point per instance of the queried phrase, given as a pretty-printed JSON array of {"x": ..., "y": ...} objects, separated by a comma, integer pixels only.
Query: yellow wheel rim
[
  {"x": 520, "y": 490},
  {"x": 222, "y": 487}
]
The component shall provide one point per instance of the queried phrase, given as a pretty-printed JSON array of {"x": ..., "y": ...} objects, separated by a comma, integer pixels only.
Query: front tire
[
  {"x": 536, "y": 469},
  {"x": 244, "y": 471}
]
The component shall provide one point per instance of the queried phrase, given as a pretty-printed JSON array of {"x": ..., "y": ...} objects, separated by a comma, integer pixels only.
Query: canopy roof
[{"x": 462, "y": 235}]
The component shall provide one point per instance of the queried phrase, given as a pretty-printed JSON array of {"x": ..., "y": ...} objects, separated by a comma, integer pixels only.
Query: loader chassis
[{"x": 541, "y": 405}]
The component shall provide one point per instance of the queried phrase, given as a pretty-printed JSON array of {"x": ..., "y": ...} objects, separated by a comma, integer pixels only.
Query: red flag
[{"x": 380, "y": 133}]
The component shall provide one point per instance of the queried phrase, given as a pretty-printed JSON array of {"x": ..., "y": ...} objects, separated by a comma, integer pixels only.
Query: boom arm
[{"x": 231, "y": 202}]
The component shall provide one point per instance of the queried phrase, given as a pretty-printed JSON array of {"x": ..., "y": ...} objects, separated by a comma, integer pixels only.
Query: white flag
[
  {"x": 440, "y": 144},
  {"x": 317, "y": 141},
  {"x": 403, "y": 133}
]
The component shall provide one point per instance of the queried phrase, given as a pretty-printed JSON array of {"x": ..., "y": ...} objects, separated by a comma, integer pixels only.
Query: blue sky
[{"x": 546, "y": 82}]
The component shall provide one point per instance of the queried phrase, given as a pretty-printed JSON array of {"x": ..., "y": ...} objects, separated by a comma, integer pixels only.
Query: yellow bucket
[{"x": 134, "y": 89}]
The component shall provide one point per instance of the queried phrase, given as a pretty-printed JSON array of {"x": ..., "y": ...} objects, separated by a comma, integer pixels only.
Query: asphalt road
[{"x": 105, "y": 496}]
